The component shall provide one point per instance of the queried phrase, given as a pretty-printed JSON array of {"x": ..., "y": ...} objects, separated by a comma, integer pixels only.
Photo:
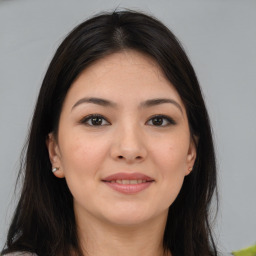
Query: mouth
[{"x": 128, "y": 183}]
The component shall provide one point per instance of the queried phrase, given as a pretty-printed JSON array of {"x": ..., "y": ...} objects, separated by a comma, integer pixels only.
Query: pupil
[
  {"x": 158, "y": 121},
  {"x": 96, "y": 120}
]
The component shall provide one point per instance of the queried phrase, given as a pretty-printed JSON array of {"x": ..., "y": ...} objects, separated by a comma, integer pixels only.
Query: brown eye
[
  {"x": 161, "y": 120},
  {"x": 95, "y": 120},
  {"x": 157, "y": 121}
]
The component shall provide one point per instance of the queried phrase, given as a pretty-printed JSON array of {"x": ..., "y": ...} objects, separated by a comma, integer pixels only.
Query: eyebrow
[
  {"x": 144, "y": 104},
  {"x": 97, "y": 101},
  {"x": 154, "y": 102}
]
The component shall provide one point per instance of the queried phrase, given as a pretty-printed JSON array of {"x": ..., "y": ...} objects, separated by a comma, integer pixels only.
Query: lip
[
  {"x": 128, "y": 188},
  {"x": 128, "y": 176}
]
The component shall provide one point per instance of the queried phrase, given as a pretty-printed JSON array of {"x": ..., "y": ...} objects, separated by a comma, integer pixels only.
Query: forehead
[{"x": 123, "y": 75}]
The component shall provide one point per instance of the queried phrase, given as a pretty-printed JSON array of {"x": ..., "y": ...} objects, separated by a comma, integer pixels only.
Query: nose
[{"x": 128, "y": 145}]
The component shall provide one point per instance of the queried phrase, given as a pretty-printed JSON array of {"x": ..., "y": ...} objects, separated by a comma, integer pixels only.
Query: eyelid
[
  {"x": 85, "y": 119},
  {"x": 168, "y": 118}
]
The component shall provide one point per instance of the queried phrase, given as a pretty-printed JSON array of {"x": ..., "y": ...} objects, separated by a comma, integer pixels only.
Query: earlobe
[
  {"x": 54, "y": 155},
  {"x": 189, "y": 171}
]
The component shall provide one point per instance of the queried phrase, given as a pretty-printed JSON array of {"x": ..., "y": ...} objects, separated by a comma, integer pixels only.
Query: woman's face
[{"x": 123, "y": 145}]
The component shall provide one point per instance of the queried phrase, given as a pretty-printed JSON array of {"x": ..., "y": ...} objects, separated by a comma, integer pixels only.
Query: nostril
[{"x": 130, "y": 158}]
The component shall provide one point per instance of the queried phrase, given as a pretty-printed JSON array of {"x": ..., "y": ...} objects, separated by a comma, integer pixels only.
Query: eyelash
[
  {"x": 165, "y": 119},
  {"x": 168, "y": 119},
  {"x": 90, "y": 117}
]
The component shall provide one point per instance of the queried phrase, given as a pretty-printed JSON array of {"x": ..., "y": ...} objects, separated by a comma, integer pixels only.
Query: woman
[{"x": 120, "y": 158}]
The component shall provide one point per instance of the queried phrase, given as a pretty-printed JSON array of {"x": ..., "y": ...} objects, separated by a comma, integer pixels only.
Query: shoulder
[{"x": 20, "y": 254}]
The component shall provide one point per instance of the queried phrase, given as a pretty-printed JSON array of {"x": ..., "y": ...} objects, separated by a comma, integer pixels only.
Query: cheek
[
  {"x": 170, "y": 161},
  {"x": 82, "y": 158},
  {"x": 172, "y": 169},
  {"x": 171, "y": 155},
  {"x": 82, "y": 155}
]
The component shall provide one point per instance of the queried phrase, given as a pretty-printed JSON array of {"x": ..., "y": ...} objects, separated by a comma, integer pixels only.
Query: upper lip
[{"x": 127, "y": 176}]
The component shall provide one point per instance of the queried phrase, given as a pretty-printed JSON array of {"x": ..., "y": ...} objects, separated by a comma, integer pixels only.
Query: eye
[
  {"x": 160, "y": 120},
  {"x": 95, "y": 120}
]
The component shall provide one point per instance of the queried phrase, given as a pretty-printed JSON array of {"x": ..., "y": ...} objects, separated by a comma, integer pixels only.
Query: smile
[{"x": 128, "y": 183}]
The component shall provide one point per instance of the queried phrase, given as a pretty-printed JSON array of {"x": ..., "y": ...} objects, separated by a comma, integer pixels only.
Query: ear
[
  {"x": 191, "y": 156},
  {"x": 54, "y": 155}
]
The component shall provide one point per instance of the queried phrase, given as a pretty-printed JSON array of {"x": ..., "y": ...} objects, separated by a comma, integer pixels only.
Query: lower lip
[{"x": 129, "y": 188}]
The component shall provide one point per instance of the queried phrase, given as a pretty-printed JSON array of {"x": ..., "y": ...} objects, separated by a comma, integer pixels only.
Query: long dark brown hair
[{"x": 44, "y": 220}]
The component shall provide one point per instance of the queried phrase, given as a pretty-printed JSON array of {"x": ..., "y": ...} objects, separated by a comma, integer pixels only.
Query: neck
[{"x": 100, "y": 238}]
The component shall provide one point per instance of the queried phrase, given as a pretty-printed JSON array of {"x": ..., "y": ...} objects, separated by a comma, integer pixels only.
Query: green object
[{"x": 250, "y": 251}]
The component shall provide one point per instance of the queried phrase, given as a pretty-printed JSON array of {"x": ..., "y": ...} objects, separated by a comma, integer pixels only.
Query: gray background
[{"x": 220, "y": 39}]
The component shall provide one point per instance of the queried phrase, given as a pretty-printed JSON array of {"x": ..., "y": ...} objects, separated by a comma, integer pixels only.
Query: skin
[{"x": 110, "y": 222}]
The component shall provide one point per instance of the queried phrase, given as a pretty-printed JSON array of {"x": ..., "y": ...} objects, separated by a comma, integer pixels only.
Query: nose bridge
[{"x": 129, "y": 143}]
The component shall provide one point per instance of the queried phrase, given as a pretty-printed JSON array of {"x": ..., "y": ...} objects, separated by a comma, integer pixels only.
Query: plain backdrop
[{"x": 220, "y": 39}]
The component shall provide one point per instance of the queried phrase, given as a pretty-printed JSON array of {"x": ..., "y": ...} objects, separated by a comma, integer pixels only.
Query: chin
[
  {"x": 130, "y": 217},
  {"x": 128, "y": 221}
]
